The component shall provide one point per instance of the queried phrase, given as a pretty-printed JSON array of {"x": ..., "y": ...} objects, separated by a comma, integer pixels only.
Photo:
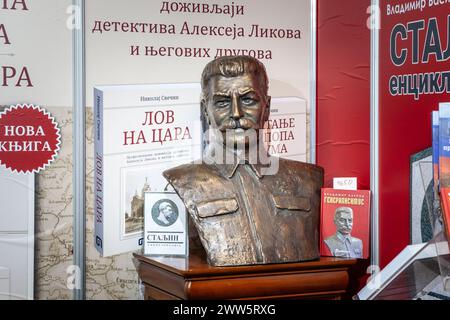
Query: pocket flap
[
  {"x": 292, "y": 203},
  {"x": 217, "y": 207}
]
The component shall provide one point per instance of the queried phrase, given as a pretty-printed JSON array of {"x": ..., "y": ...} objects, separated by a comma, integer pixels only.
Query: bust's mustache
[{"x": 242, "y": 123}]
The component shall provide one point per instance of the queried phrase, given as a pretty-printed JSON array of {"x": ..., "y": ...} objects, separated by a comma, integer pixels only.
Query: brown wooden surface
[{"x": 193, "y": 278}]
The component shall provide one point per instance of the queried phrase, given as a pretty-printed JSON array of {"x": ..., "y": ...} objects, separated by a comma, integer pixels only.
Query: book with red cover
[
  {"x": 445, "y": 202},
  {"x": 345, "y": 223}
]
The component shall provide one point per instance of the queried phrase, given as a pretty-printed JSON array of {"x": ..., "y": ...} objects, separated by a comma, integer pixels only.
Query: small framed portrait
[{"x": 165, "y": 221}]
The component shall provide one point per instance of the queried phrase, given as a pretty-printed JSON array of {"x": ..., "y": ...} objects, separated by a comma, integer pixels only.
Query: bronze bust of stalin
[{"x": 246, "y": 211}]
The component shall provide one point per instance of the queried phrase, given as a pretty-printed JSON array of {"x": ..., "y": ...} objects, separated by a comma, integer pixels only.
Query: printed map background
[{"x": 106, "y": 278}]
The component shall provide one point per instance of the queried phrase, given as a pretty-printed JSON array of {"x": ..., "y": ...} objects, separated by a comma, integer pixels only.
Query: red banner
[{"x": 414, "y": 77}]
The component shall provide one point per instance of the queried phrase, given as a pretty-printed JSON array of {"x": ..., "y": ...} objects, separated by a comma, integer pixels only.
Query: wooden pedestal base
[{"x": 193, "y": 278}]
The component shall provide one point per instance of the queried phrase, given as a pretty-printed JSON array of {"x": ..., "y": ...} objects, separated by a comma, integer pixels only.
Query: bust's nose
[{"x": 236, "y": 111}]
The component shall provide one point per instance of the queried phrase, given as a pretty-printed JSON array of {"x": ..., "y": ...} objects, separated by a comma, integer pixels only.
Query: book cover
[
  {"x": 165, "y": 219},
  {"x": 140, "y": 131},
  {"x": 345, "y": 223},
  {"x": 445, "y": 203},
  {"x": 285, "y": 131},
  {"x": 444, "y": 145}
]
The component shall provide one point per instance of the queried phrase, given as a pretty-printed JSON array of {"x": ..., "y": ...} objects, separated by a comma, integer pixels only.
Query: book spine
[
  {"x": 435, "y": 156},
  {"x": 98, "y": 170},
  {"x": 321, "y": 247}
]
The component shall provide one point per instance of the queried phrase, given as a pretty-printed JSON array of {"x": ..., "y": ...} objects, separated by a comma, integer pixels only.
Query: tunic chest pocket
[
  {"x": 292, "y": 203},
  {"x": 217, "y": 207}
]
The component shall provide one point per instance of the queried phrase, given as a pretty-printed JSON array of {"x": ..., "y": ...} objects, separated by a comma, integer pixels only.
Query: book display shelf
[
  {"x": 439, "y": 244},
  {"x": 420, "y": 271}
]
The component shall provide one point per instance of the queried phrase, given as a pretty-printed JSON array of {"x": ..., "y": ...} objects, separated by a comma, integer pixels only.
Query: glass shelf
[
  {"x": 416, "y": 273},
  {"x": 420, "y": 271}
]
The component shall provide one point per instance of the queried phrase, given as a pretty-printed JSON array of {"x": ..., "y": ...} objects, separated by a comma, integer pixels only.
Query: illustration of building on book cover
[
  {"x": 345, "y": 223},
  {"x": 141, "y": 130}
]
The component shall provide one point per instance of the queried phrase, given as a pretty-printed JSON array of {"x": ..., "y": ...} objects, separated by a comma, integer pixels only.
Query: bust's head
[
  {"x": 235, "y": 97},
  {"x": 165, "y": 209},
  {"x": 343, "y": 219}
]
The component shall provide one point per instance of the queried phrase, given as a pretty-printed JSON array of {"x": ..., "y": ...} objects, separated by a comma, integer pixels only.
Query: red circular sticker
[{"x": 29, "y": 138}]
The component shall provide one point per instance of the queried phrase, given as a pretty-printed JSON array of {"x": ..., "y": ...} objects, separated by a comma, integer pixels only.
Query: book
[
  {"x": 444, "y": 145},
  {"x": 444, "y": 179},
  {"x": 445, "y": 204},
  {"x": 165, "y": 218},
  {"x": 434, "y": 203},
  {"x": 345, "y": 223},
  {"x": 435, "y": 151},
  {"x": 444, "y": 164},
  {"x": 285, "y": 130},
  {"x": 140, "y": 131}
]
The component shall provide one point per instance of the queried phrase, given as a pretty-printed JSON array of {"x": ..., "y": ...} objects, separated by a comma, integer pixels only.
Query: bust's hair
[
  {"x": 163, "y": 204},
  {"x": 339, "y": 210},
  {"x": 234, "y": 66}
]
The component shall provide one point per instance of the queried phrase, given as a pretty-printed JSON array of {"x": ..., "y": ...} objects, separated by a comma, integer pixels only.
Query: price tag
[{"x": 345, "y": 183}]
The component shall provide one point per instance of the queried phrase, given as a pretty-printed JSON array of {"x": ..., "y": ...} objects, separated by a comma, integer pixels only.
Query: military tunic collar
[
  {"x": 342, "y": 237},
  {"x": 228, "y": 170}
]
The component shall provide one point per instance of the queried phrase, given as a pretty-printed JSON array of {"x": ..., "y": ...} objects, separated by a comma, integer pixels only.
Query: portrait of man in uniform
[
  {"x": 248, "y": 207},
  {"x": 342, "y": 244}
]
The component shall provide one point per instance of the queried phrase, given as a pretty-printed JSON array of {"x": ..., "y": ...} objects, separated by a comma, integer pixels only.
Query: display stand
[
  {"x": 440, "y": 239},
  {"x": 441, "y": 242},
  {"x": 420, "y": 271},
  {"x": 414, "y": 274},
  {"x": 192, "y": 278}
]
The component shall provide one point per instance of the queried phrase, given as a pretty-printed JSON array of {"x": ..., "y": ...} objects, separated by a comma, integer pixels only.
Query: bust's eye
[
  {"x": 248, "y": 101},
  {"x": 222, "y": 103}
]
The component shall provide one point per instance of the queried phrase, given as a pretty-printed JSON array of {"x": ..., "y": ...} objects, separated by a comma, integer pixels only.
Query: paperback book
[
  {"x": 444, "y": 145},
  {"x": 445, "y": 203},
  {"x": 345, "y": 223},
  {"x": 140, "y": 131},
  {"x": 285, "y": 131},
  {"x": 435, "y": 151},
  {"x": 165, "y": 225}
]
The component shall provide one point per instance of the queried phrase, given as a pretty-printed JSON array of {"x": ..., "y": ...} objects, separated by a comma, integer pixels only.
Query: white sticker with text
[{"x": 345, "y": 183}]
